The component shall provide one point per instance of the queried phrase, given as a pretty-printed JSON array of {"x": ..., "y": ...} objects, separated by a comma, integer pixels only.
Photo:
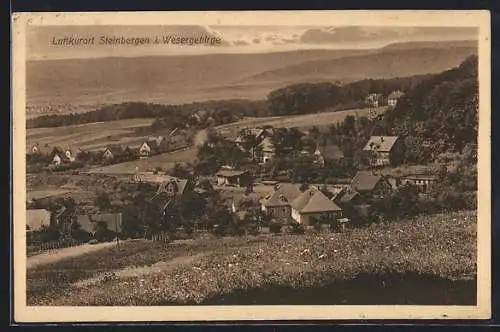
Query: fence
[{"x": 35, "y": 248}]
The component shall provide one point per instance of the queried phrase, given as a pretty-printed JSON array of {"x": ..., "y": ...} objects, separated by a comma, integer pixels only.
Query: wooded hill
[{"x": 442, "y": 110}]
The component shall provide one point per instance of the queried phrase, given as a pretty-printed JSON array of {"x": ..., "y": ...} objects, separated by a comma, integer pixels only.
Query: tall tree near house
[
  {"x": 314, "y": 133},
  {"x": 102, "y": 201}
]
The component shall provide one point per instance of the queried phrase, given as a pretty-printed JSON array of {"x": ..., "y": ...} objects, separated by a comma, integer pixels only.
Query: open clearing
[
  {"x": 438, "y": 249},
  {"x": 89, "y": 135}
]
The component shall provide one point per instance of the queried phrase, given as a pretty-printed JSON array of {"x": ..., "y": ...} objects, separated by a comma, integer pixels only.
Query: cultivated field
[
  {"x": 300, "y": 121},
  {"x": 88, "y": 136},
  {"x": 164, "y": 160},
  {"x": 426, "y": 260}
]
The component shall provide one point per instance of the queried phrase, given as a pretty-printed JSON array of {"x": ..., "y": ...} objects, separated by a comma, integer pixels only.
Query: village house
[
  {"x": 264, "y": 149},
  {"x": 60, "y": 157},
  {"x": 380, "y": 150},
  {"x": 371, "y": 185},
  {"x": 36, "y": 219},
  {"x": 313, "y": 203},
  {"x": 115, "y": 152},
  {"x": 151, "y": 146},
  {"x": 278, "y": 203},
  {"x": 393, "y": 98},
  {"x": 37, "y": 149},
  {"x": 423, "y": 182},
  {"x": 228, "y": 176},
  {"x": 374, "y": 99},
  {"x": 90, "y": 222}
]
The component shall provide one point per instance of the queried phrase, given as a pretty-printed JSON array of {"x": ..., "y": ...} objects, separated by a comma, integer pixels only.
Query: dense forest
[
  {"x": 441, "y": 112},
  {"x": 313, "y": 97},
  {"x": 294, "y": 99},
  {"x": 221, "y": 111}
]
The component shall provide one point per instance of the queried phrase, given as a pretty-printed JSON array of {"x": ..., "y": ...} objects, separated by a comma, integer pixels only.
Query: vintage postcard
[{"x": 284, "y": 165}]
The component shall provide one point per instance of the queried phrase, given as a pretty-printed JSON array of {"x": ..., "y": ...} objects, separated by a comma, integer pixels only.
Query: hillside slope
[{"x": 390, "y": 62}]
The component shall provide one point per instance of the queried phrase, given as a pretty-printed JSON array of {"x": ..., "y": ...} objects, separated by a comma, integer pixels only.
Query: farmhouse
[
  {"x": 373, "y": 99},
  {"x": 370, "y": 185},
  {"x": 232, "y": 177},
  {"x": 423, "y": 182},
  {"x": 313, "y": 203},
  {"x": 260, "y": 141},
  {"x": 115, "y": 152},
  {"x": 60, "y": 157},
  {"x": 90, "y": 223},
  {"x": 393, "y": 98},
  {"x": 330, "y": 151},
  {"x": 36, "y": 149},
  {"x": 278, "y": 203},
  {"x": 36, "y": 219},
  {"x": 150, "y": 147},
  {"x": 380, "y": 150}
]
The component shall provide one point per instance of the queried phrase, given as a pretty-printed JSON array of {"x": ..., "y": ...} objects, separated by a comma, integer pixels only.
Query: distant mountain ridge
[{"x": 181, "y": 79}]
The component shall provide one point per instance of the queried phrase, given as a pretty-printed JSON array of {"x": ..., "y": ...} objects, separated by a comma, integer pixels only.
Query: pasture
[
  {"x": 437, "y": 251},
  {"x": 89, "y": 136}
]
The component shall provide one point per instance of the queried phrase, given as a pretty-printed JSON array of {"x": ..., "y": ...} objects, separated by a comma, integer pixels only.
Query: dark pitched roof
[
  {"x": 312, "y": 201},
  {"x": 116, "y": 150},
  {"x": 227, "y": 173},
  {"x": 348, "y": 196},
  {"x": 365, "y": 181},
  {"x": 181, "y": 185},
  {"x": 331, "y": 151},
  {"x": 396, "y": 95},
  {"x": 283, "y": 195},
  {"x": 380, "y": 143}
]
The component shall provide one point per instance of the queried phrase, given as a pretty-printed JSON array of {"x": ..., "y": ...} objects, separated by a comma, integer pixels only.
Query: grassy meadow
[
  {"x": 88, "y": 136},
  {"x": 437, "y": 250}
]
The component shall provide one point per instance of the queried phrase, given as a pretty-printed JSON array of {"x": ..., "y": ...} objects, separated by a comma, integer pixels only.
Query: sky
[{"x": 234, "y": 39}]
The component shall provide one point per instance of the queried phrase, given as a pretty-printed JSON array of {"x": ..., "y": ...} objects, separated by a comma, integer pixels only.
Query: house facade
[
  {"x": 231, "y": 177},
  {"x": 151, "y": 146},
  {"x": 113, "y": 153},
  {"x": 424, "y": 183},
  {"x": 379, "y": 150},
  {"x": 374, "y": 99},
  {"x": 370, "y": 185},
  {"x": 393, "y": 98},
  {"x": 312, "y": 203},
  {"x": 277, "y": 204}
]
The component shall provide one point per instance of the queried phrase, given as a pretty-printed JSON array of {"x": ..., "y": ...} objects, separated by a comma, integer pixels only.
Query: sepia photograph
[{"x": 266, "y": 165}]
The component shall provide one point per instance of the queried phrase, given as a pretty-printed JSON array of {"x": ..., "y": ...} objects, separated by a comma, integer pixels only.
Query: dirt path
[
  {"x": 140, "y": 271},
  {"x": 60, "y": 254}
]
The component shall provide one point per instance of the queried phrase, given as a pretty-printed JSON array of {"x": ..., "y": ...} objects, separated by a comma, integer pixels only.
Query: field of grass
[
  {"x": 164, "y": 160},
  {"x": 140, "y": 272},
  {"x": 88, "y": 136},
  {"x": 323, "y": 119}
]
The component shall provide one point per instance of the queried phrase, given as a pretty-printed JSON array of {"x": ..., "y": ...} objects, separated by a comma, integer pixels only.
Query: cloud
[
  {"x": 329, "y": 35},
  {"x": 345, "y": 34},
  {"x": 256, "y": 41}
]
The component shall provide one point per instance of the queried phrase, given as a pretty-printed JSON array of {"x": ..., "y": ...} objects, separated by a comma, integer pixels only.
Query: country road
[{"x": 65, "y": 253}]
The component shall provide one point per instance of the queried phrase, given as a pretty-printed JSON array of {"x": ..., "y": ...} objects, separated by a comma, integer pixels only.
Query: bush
[
  {"x": 275, "y": 227},
  {"x": 297, "y": 228}
]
